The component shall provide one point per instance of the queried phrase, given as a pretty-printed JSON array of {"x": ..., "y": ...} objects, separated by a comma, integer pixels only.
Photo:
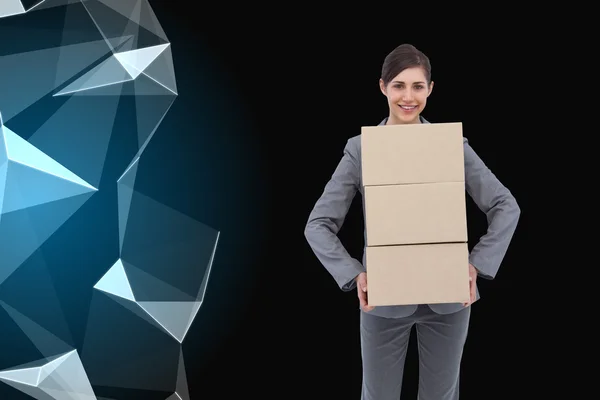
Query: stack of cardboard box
[{"x": 415, "y": 214}]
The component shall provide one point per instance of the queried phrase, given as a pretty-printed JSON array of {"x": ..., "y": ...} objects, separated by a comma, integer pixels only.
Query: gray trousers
[{"x": 440, "y": 338}]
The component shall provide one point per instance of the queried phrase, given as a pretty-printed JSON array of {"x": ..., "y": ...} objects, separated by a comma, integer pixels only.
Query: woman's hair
[{"x": 402, "y": 57}]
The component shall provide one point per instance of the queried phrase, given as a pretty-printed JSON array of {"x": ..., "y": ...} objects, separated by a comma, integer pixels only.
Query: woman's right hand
[{"x": 361, "y": 289}]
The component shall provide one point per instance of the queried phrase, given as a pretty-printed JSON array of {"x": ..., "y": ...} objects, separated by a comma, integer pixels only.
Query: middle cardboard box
[{"x": 415, "y": 214}]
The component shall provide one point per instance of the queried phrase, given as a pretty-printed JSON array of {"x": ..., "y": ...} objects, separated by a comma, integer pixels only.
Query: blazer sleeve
[
  {"x": 327, "y": 217},
  {"x": 501, "y": 210}
]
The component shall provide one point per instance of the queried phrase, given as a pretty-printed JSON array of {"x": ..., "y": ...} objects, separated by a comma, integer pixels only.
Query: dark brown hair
[{"x": 402, "y": 57}]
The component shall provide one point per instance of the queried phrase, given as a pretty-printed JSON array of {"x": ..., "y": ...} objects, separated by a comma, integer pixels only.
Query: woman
[{"x": 441, "y": 328}]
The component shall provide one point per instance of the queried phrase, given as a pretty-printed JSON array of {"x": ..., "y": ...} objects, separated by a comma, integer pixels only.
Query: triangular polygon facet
[{"x": 115, "y": 282}]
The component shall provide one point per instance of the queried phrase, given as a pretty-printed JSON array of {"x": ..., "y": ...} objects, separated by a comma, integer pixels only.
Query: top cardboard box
[{"x": 412, "y": 153}]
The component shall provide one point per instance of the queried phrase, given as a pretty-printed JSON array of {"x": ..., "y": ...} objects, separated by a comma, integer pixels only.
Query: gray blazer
[{"x": 329, "y": 212}]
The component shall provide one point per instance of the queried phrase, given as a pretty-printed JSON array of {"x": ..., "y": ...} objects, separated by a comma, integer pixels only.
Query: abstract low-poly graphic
[{"x": 82, "y": 94}]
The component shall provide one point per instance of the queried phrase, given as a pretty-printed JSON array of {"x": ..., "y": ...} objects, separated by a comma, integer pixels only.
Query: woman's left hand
[{"x": 472, "y": 285}]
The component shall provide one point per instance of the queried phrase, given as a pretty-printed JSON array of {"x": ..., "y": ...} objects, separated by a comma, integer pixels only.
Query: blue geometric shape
[
  {"x": 136, "y": 61},
  {"x": 115, "y": 282},
  {"x": 110, "y": 72},
  {"x": 3, "y": 150},
  {"x": 175, "y": 317},
  {"x": 33, "y": 178},
  {"x": 41, "y": 321},
  {"x": 168, "y": 257},
  {"x": 3, "y": 164},
  {"x": 22, "y": 232},
  {"x": 61, "y": 378},
  {"x": 11, "y": 7},
  {"x": 27, "y": 376},
  {"x": 21, "y": 151},
  {"x": 166, "y": 249},
  {"x": 3, "y": 172},
  {"x": 125, "y": 185}
]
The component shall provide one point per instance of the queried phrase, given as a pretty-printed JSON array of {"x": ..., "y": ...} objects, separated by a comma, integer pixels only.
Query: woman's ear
[
  {"x": 430, "y": 88},
  {"x": 382, "y": 87}
]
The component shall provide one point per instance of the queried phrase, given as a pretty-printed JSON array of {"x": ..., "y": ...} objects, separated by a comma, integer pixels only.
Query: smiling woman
[
  {"x": 385, "y": 330},
  {"x": 406, "y": 82}
]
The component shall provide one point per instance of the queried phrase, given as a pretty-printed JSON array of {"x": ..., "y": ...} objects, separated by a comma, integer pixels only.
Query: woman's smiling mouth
[{"x": 407, "y": 108}]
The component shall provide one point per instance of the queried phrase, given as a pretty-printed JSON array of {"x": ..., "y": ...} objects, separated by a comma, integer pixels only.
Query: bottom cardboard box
[{"x": 417, "y": 274}]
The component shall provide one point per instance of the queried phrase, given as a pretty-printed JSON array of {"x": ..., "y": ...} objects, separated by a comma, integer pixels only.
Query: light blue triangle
[
  {"x": 110, "y": 72},
  {"x": 115, "y": 282},
  {"x": 3, "y": 164},
  {"x": 28, "y": 376},
  {"x": 28, "y": 187},
  {"x": 136, "y": 61},
  {"x": 175, "y": 317},
  {"x": 3, "y": 170},
  {"x": 11, "y": 7},
  {"x": 3, "y": 153},
  {"x": 21, "y": 151}
]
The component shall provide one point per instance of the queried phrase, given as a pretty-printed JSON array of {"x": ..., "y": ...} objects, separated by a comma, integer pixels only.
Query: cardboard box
[
  {"x": 418, "y": 274},
  {"x": 415, "y": 214},
  {"x": 416, "y": 153}
]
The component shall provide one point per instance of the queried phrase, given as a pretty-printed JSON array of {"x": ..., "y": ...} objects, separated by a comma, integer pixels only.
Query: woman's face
[{"x": 407, "y": 95}]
